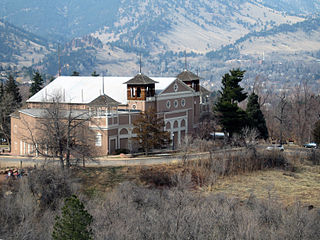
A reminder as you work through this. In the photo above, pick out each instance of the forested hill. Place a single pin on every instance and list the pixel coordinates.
(18, 46)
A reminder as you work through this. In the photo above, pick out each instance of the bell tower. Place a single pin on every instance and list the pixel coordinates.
(140, 92)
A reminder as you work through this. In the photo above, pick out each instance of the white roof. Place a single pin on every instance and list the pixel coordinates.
(80, 89)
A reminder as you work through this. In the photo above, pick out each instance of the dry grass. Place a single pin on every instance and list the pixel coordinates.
(287, 187)
(94, 180)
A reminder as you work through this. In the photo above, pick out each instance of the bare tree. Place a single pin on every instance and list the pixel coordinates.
(149, 130)
(260, 89)
(304, 112)
(62, 132)
(281, 116)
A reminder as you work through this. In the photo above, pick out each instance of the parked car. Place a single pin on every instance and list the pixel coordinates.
(310, 145)
(276, 148)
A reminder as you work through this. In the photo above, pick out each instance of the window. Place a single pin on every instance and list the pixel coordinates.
(138, 92)
(168, 104)
(175, 87)
(98, 140)
(176, 103)
(183, 102)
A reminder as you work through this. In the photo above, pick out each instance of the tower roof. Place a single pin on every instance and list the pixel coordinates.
(141, 79)
(187, 76)
(103, 100)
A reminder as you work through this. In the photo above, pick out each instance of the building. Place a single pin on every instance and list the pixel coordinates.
(112, 104)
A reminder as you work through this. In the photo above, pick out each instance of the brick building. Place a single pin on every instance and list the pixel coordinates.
(112, 104)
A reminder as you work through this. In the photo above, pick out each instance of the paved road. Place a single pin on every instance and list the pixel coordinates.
(109, 161)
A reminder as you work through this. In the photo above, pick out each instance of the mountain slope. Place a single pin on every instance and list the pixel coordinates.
(18, 47)
(59, 19)
(294, 6)
(284, 39)
(198, 26)
(67, 19)
(163, 29)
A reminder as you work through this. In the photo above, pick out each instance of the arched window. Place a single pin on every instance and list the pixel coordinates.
(183, 123)
(123, 131)
(175, 125)
(168, 126)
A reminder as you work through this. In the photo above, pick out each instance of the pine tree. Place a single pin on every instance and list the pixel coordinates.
(2, 135)
(10, 101)
(255, 116)
(74, 223)
(94, 74)
(11, 88)
(75, 73)
(1, 91)
(316, 133)
(150, 131)
(231, 117)
(36, 85)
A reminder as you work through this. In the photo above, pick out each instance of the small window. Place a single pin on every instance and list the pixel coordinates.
(168, 104)
(176, 103)
(175, 87)
(98, 140)
(183, 102)
(138, 92)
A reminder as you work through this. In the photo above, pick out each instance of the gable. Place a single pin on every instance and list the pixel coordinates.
(176, 86)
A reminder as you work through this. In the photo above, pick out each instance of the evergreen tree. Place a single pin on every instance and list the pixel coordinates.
(94, 74)
(1, 91)
(11, 88)
(231, 117)
(10, 100)
(51, 79)
(255, 116)
(150, 131)
(36, 85)
(74, 223)
(316, 133)
(1, 114)
(75, 73)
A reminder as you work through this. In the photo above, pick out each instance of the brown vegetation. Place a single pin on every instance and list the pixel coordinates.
(193, 200)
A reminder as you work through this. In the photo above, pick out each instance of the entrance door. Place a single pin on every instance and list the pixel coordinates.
(112, 148)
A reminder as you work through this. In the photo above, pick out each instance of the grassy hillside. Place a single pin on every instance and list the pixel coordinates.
(19, 47)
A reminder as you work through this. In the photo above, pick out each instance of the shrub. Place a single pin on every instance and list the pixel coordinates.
(122, 150)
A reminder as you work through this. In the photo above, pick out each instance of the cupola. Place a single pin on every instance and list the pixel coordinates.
(140, 87)
(191, 79)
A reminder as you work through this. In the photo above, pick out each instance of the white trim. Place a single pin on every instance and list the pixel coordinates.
(98, 139)
(174, 81)
(176, 111)
(21, 148)
(169, 96)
